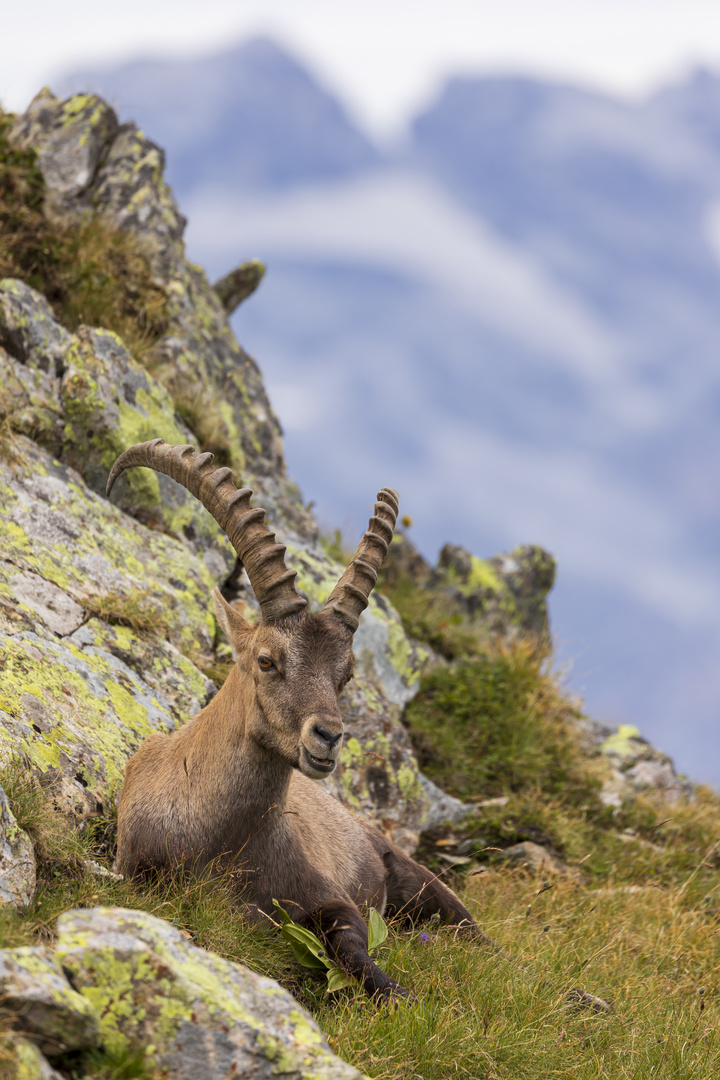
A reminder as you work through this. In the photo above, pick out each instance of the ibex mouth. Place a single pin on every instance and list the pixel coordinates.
(317, 766)
(324, 762)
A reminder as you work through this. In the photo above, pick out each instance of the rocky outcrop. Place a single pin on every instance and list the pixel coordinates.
(124, 980)
(106, 630)
(498, 597)
(93, 165)
(632, 765)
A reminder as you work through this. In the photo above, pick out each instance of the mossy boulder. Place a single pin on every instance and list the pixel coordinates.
(192, 1012)
(86, 399)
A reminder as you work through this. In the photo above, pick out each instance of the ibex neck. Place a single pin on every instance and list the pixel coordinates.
(245, 785)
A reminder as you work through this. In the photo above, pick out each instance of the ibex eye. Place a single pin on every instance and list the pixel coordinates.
(265, 663)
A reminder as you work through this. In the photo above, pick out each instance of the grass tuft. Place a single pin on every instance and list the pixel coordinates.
(137, 609)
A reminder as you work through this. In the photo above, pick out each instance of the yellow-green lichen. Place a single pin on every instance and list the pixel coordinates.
(623, 742)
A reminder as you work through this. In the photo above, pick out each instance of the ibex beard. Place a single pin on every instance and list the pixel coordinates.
(237, 783)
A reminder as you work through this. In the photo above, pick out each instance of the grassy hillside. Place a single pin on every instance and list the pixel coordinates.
(635, 923)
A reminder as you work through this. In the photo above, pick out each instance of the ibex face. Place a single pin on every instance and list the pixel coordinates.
(292, 666)
(292, 673)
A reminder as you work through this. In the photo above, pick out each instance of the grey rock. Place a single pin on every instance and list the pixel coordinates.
(194, 1013)
(507, 593)
(71, 138)
(17, 859)
(534, 858)
(28, 327)
(633, 766)
(35, 992)
(240, 283)
(443, 809)
(59, 612)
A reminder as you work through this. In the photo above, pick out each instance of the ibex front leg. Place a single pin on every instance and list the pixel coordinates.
(346, 934)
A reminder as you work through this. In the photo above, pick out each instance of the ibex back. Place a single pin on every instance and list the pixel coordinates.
(237, 783)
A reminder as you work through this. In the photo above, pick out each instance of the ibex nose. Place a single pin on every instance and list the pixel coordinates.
(327, 736)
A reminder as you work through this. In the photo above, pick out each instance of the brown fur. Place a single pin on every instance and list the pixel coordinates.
(237, 784)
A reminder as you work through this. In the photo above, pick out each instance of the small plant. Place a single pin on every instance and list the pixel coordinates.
(135, 609)
(310, 952)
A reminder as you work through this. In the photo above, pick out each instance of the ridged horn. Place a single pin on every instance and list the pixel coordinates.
(350, 596)
(263, 559)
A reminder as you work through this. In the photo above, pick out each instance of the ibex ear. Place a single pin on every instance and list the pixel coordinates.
(230, 620)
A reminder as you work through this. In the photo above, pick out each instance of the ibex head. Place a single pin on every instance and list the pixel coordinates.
(292, 665)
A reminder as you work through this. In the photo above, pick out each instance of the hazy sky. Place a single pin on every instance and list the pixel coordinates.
(385, 57)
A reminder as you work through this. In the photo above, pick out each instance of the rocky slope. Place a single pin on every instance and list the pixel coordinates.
(106, 632)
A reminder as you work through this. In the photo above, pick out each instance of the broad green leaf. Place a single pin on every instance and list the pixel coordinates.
(305, 944)
(377, 930)
(337, 980)
(284, 917)
(304, 956)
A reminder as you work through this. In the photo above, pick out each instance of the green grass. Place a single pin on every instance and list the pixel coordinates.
(499, 723)
(639, 926)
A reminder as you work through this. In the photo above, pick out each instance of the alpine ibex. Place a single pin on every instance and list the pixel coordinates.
(237, 782)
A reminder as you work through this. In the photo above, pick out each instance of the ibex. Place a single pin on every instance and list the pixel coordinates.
(237, 783)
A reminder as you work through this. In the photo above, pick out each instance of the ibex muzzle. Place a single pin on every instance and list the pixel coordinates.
(237, 782)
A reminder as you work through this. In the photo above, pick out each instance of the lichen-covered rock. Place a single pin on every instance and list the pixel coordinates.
(633, 765)
(24, 1061)
(507, 592)
(43, 1005)
(17, 859)
(29, 330)
(194, 1013)
(71, 138)
(81, 698)
(499, 597)
(85, 399)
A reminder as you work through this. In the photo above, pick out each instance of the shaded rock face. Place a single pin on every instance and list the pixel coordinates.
(17, 860)
(124, 980)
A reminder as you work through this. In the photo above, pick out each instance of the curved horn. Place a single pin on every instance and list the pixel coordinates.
(349, 598)
(263, 559)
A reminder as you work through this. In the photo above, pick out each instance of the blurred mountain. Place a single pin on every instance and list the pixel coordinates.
(513, 318)
(250, 118)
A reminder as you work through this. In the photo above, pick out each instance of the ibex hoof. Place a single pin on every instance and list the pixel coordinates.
(395, 995)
